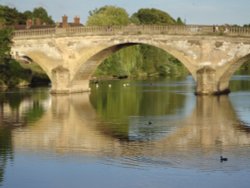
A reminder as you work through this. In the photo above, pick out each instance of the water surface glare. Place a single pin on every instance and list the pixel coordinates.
(134, 134)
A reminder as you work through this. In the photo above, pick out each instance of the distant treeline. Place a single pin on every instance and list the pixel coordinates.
(11, 16)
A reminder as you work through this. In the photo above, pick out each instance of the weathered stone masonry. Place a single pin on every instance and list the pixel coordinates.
(70, 55)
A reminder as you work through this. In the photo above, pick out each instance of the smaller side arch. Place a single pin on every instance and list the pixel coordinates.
(230, 70)
(39, 58)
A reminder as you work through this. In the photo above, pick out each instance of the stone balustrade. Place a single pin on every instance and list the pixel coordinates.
(134, 30)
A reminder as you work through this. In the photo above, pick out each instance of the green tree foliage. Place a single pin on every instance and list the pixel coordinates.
(124, 62)
(42, 14)
(5, 44)
(10, 70)
(244, 69)
(179, 21)
(108, 16)
(28, 14)
(152, 16)
(10, 16)
(11, 73)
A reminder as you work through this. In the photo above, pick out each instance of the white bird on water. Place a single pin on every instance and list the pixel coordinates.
(126, 85)
(110, 85)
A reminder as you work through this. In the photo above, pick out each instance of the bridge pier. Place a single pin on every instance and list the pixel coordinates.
(208, 84)
(61, 83)
(60, 80)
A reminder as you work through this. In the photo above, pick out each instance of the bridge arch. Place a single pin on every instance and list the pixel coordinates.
(87, 65)
(232, 67)
(37, 58)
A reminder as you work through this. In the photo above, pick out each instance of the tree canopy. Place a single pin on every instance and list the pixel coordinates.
(108, 16)
(152, 16)
(11, 16)
(5, 43)
(42, 14)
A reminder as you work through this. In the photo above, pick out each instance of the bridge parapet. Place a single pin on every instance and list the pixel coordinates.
(134, 30)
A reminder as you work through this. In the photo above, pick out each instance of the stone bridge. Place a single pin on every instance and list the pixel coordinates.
(70, 56)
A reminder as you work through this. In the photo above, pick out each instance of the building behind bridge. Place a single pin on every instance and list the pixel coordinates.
(36, 23)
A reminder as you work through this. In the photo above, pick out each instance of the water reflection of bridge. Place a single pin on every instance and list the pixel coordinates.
(212, 127)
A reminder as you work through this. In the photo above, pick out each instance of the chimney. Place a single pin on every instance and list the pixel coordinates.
(65, 21)
(29, 23)
(38, 22)
(77, 21)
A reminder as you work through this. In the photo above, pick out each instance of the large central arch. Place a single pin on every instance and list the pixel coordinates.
(87, 67)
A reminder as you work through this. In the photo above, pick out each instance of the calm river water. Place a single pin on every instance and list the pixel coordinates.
(148, 134)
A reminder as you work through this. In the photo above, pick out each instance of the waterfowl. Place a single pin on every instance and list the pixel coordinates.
(223, 159)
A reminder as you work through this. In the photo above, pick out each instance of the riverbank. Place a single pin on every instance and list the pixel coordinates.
(19, 75)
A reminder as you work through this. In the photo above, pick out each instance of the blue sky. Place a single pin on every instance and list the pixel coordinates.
(193, 11)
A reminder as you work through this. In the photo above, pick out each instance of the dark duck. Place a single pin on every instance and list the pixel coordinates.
(222, 159)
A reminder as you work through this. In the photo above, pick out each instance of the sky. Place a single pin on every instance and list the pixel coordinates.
(192, 11)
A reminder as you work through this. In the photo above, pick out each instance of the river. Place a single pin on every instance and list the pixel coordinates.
(153, 133)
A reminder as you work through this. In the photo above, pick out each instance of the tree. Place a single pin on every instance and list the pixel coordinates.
(10, 16)
(28, 14)
(5, 44)
(42, 14)
(152, 16)
(179, 21)
(108, 16)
